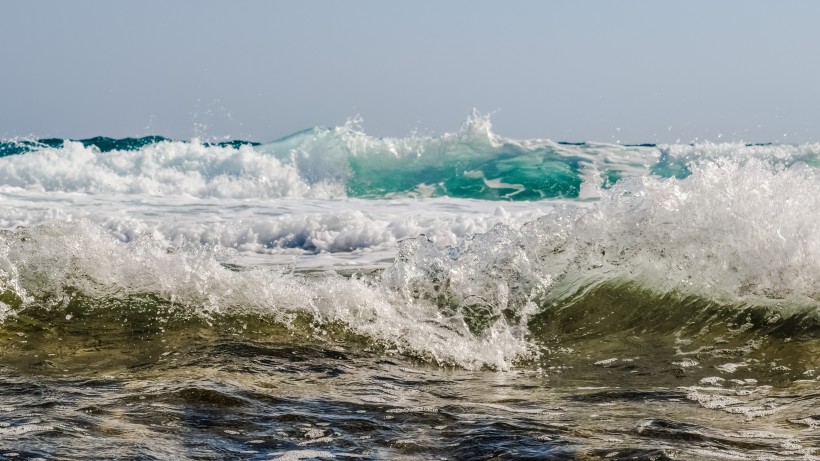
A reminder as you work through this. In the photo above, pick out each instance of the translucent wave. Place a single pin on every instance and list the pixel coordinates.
(472, 162)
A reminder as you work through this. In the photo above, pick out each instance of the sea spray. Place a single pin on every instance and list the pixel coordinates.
(732, 231)
(48, 265)
(472, 162)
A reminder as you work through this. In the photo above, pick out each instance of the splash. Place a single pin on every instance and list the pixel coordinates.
(732, 231)
(472, 162)
(49, 266)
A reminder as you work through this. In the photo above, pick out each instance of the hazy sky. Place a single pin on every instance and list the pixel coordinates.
(629, 71)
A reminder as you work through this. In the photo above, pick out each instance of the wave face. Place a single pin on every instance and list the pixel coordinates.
(467, 248)
(472, 163)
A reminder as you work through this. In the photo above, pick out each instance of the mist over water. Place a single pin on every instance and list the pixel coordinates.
(465, 295)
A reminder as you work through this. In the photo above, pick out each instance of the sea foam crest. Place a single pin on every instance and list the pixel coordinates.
(733, 231)
(49, 263)
(472, 162)
(281, 229)
(164, 168)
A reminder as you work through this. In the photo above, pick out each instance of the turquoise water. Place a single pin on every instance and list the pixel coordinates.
(471, 163)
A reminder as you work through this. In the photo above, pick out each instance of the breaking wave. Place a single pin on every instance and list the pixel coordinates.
(473, 162)
(735, 239)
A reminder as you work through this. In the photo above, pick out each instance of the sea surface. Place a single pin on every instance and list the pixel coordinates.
(333, 295)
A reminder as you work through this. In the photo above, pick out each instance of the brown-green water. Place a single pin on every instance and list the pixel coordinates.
(136, 378)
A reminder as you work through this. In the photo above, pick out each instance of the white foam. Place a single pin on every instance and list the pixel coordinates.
(14, 431)
(811, 422)
(165, 168)
(686, 363)
(300, 232)
(43, 261)
(733, 231)
(712, 380)
(316, 163)
(293, 455)
(730, 367)
(712, 401)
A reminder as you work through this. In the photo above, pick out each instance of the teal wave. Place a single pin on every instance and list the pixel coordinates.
(472, 162)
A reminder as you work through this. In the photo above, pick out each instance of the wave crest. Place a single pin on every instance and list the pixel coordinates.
(472, 162)
(730, 231)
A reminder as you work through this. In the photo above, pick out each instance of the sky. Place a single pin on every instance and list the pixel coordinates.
(609, 71)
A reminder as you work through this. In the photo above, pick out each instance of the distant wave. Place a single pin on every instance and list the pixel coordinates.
(472, 162)
(101, 143)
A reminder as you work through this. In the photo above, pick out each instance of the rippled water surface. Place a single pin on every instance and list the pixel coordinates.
(154, 386)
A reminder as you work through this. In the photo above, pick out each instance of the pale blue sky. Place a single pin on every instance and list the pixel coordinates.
(629, 71)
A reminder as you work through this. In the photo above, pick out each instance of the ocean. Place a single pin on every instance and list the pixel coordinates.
(334, 295)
